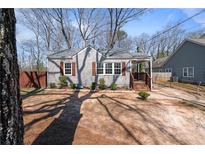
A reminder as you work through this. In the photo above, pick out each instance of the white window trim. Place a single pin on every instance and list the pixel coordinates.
(168, 69)
(105, 68)
(119, 68)
(113, 68)
(70, 66)
(188, 76)
(96, 67)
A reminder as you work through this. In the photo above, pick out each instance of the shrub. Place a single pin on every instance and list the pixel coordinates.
(93, 85)
(63, 81)
(101, 83)
(113, 86)
(143, 95)
(52, 85)
(73, 85)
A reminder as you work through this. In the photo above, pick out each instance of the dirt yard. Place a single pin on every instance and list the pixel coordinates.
(61, 117)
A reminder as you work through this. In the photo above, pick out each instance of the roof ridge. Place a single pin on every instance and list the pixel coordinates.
(58, 52)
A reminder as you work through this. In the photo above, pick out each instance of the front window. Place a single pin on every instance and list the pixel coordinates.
(100, 68)
(188, 72)
(108, 68)
(67, 68)
(117, 68)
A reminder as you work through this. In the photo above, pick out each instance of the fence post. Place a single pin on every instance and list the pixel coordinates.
(199, 83)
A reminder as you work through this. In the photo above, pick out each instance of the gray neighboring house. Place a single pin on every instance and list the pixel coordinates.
(87, 65)
(187, 63)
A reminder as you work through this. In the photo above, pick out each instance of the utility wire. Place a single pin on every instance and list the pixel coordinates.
(180, 23)
(184, 31)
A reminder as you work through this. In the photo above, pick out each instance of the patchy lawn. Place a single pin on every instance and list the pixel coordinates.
(63, 117)
(184, 86)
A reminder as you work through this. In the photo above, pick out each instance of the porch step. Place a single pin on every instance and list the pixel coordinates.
(140, 85)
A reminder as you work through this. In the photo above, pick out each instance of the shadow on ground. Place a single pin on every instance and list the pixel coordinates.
(62, 129)
(136, 121)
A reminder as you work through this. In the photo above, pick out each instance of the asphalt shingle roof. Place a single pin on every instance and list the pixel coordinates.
(67, 53)
(159, 62)
(113, 53)
(197, 41)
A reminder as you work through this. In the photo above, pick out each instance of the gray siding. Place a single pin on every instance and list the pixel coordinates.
(84, 76)
(189, 55)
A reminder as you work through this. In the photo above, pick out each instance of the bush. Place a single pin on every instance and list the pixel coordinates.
(52, 85)
(113, 86)
(93, 86)
(63, 81)
(143, 95)
(73, 85)
(101, 83)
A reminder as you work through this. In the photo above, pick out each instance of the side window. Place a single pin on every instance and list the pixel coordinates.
(67, 68)
(185, 73)
(188, 71)
(191, 71)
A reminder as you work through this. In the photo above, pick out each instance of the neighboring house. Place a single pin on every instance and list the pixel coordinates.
(158, 64)
(187, 63)
(84, 66)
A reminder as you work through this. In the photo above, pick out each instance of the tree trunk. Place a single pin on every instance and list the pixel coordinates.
(11, 120)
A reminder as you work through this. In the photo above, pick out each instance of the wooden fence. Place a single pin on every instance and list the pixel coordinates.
(33, 79)
(161, 76)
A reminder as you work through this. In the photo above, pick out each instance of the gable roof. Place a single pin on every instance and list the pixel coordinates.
(116, 53)
(67, 53)
(197, 41)
(200, 42)
(120, 53)
(159, 62)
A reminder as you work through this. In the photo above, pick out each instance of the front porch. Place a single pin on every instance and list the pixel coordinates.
(141, 74)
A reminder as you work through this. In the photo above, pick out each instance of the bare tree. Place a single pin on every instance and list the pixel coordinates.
(35, 56)
(11, 116)
(90, 22)
(117, 18)
(41, 30)
(163, 45)
(198, 34)
(62, 17)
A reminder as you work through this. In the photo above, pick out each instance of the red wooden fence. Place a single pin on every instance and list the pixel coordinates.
(32, 79)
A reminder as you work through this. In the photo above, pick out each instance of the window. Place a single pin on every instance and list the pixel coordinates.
(67, 68)
(117, 68)
(168, 70)
(100, 68)
(188, 71)
(108, 68)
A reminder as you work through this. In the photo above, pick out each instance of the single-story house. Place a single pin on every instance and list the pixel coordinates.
(87, 65)
(187, 63)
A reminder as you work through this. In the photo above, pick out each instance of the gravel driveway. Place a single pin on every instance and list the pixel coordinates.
(65, 117)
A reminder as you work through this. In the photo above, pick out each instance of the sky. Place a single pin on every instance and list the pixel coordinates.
(149, 23)
(156, 19)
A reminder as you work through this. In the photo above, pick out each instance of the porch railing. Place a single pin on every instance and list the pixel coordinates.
(132, 79)
(140, 76)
